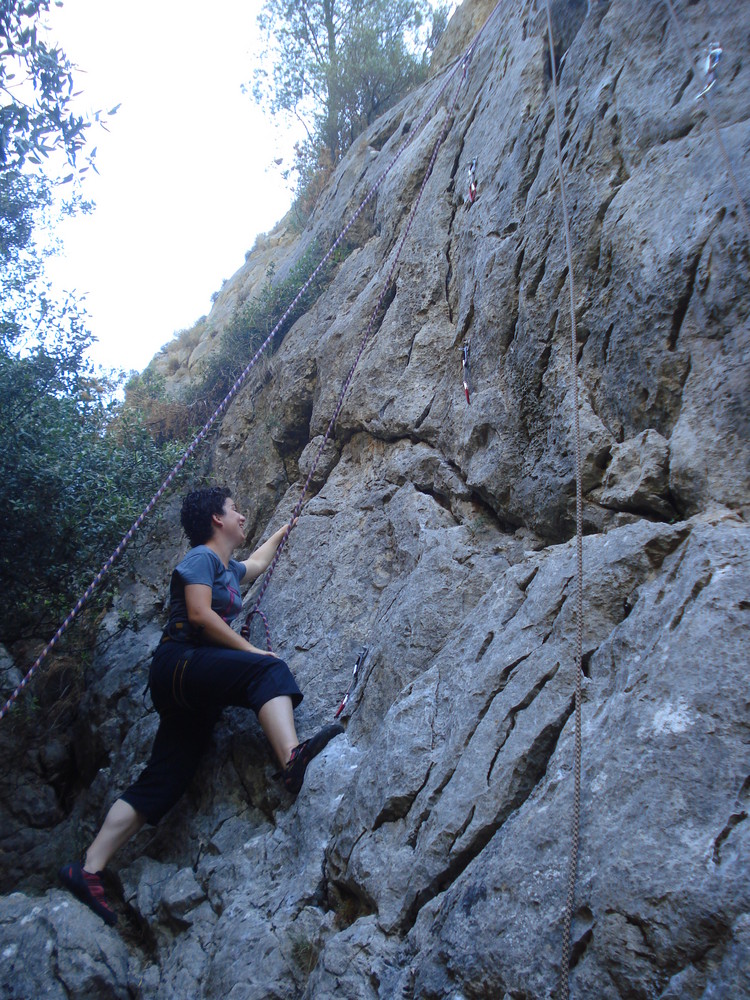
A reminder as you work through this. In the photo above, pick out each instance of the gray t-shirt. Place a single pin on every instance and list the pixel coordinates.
(202, 565)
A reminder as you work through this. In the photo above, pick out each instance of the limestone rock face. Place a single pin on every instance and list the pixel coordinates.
(427, 854)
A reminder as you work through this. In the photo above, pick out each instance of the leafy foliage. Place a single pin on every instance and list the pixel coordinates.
(75, 470)
(338, 64)
(75, 466)
(37, 88)
(27, 305)
(39, 135)
(166, 419)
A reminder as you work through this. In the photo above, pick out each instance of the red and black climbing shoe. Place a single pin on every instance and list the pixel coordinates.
(89, 889)
(294, 773)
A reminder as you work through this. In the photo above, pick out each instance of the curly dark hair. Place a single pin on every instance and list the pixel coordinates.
(198, 508)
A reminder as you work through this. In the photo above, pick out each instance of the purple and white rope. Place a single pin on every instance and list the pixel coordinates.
(245, 630)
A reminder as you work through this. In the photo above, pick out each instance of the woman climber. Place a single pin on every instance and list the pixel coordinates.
(200, 666)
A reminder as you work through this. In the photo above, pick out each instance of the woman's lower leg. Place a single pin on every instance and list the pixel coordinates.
(121, 823)
(276, 718)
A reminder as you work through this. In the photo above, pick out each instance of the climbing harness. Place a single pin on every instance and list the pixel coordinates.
(710, 68)
(576, 824)
(355, 672)
(465, 369)
(462, 64)
(472, 182)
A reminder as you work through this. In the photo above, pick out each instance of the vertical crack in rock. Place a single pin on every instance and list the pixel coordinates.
(519, 265)
(428, 805)
(682, 88)
(698, 586)
(525, 582)
(531, 288)
(465, 326)
(580, 945)
(514, 712)
(528, 176)
(359, 836)
(485, 646)
(397, 806)
(502, 683)
(424, 414)
(463, 828)
(684, 300)
(734, 820)
(656, 557)
(690, 272)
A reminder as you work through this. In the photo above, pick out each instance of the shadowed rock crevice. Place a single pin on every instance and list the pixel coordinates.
(511, 717)
(398, 807)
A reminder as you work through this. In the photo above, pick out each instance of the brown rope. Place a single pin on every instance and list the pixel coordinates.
(573, 864)
(711, 118)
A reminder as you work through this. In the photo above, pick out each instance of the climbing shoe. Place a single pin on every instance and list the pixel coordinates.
(89, 889)
(294, 773)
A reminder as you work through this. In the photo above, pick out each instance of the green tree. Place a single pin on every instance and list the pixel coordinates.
(75, 465)
(37, 88)
(75, 469)
(337, 64)
(42, 146)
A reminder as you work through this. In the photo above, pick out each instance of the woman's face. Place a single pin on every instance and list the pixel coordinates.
(234, 523)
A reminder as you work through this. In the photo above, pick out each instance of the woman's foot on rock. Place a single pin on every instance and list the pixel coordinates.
(293, 774)
(89, 889)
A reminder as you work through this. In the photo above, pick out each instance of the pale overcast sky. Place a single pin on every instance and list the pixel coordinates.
(186, 176)
(186, 172)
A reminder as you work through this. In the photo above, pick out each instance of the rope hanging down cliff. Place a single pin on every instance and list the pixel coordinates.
(575, 839)
(461, 64)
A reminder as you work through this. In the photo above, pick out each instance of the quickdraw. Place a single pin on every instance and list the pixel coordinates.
(473, 181)
(359, 662)
(465, 370)
(710, 68)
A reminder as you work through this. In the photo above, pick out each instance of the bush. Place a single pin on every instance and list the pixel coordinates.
(253, 322)
(146, 402)
(76, 468)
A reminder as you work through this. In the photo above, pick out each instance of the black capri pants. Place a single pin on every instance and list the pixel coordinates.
(190, 685)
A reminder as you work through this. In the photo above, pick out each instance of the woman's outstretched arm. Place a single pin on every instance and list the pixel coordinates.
(260, 560)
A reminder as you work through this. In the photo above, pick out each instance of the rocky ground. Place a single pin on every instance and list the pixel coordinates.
(426, 856)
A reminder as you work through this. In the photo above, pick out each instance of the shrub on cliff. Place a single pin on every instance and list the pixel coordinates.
(253, 322)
